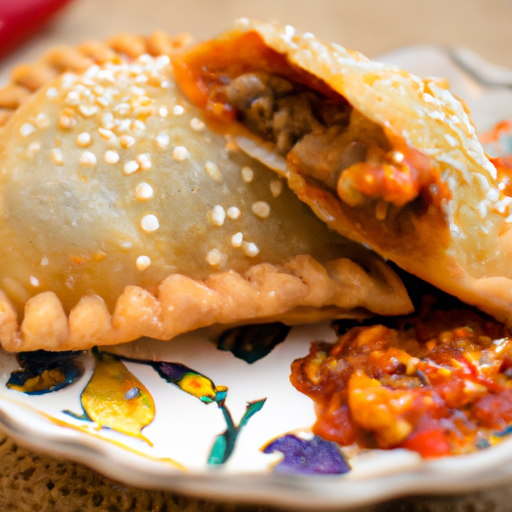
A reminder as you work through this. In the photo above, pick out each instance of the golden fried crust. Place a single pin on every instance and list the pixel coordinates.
(451, 227)
(126, 213)
(303, 292)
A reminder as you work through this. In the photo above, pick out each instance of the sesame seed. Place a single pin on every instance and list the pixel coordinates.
(106, 76)
(84, 139)
(144, 191)
(143, 102)
(197, 125)
(212, 169)
(66, 122)
(237, 239)
(261, 209)
(87, 159)
(139, 91)
(34, 281)
(52, 92)
(214, 257)
(88, 110)
(122, 125)
(34, 146)
(57, 157)
(102, 101)
(106, 134)
(26, 129)
(111, 157)
(123, 109)
(180, 153)
(144, 160)
(42, 121)
(126, 141)
(163, 112)
(126, 246)
(137, 126)
(247, 174)
(162, 140)
(92, 72)
(143, 262)
(217, 215)
(68, 79)
(107, 120)
(135, 69)
(44, 261)
(234, 212)
(149, 223)
(177, 110)
(130, 167)
(501, 186)
(73, 98)
(250, 249)
(276, 187)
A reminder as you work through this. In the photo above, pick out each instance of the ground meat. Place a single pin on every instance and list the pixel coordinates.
(282, 112)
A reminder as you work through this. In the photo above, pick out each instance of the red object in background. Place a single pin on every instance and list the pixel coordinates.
(19, 19)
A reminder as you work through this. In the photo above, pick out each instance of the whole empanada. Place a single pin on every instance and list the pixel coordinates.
(382, 156)
(124, 212)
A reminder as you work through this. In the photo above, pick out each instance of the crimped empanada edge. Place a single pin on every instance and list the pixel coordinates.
(301, 291)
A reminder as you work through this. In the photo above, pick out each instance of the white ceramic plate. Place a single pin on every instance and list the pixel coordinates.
(178, 431)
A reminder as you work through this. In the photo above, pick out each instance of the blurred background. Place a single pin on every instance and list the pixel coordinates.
(370, 26)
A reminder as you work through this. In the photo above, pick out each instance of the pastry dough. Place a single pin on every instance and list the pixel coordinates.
(382, 156)
(124, 212)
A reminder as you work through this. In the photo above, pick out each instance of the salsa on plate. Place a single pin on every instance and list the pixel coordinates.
(439, 382)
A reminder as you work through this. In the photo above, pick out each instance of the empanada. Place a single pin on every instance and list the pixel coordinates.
(382, 156)
(124, 212)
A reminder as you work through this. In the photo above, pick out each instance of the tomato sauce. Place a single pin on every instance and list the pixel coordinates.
(438, 383)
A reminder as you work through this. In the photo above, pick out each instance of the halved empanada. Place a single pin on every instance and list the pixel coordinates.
(384, 157)
(125, 213)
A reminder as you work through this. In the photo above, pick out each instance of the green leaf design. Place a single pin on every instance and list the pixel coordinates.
(219, 450)
(224, 443)
(252, 409)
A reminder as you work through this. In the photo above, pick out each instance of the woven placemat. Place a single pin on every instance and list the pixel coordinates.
(36, 482)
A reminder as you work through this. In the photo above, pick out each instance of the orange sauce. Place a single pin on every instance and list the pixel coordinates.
(439, 383)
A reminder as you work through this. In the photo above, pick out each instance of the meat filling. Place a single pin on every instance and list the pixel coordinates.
(325, 139)
(327, 136)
